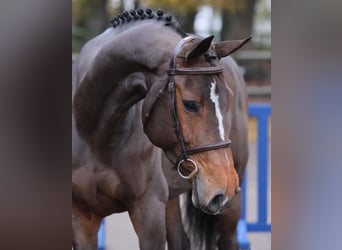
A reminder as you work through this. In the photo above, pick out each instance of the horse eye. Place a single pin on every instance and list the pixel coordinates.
(191, 106)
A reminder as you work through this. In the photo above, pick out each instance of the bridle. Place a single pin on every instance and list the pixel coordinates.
(185, 152)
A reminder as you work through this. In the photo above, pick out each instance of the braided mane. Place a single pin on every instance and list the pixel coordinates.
(108, 64)
(147, 14)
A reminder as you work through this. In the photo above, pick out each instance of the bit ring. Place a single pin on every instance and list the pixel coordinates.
(192, 173)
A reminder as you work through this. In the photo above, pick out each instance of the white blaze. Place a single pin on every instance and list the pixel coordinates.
(215, 99)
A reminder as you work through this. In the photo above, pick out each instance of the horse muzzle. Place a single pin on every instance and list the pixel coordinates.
(216, 204)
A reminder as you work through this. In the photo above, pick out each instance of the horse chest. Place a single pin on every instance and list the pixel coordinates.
(122, 180)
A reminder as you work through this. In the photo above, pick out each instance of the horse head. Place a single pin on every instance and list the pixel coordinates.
(189, 118)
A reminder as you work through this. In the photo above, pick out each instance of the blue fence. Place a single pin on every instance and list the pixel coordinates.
(262, 113)
(101, 236)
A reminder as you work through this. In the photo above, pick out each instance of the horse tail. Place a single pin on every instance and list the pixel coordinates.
(198, 226)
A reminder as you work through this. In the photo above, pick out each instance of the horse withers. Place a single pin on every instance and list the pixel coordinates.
(146, 66)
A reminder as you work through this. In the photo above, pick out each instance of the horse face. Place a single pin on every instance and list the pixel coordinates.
(202, 104)
(203, 110)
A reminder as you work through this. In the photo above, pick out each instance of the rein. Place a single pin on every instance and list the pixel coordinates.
(172, 71)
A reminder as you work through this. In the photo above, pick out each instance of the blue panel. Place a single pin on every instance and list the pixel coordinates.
(261, 112)
(258, 227)
(242, 235)
(101, 237)
(262, 167)
(243, 197)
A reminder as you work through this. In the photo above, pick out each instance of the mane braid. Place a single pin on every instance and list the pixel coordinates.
(141, 14)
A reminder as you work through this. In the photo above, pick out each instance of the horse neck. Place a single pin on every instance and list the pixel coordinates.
(114, 72)
(120, 115)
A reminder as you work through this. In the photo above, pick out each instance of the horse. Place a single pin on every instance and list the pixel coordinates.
(146, 96)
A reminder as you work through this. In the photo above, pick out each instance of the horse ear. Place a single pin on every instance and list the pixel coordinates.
(201, 48)
(226, 48)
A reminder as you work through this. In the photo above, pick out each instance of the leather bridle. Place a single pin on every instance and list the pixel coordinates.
(185, 152)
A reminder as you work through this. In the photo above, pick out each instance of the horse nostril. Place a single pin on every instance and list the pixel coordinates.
(217, 202)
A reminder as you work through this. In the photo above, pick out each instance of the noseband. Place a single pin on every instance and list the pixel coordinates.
(173, 70)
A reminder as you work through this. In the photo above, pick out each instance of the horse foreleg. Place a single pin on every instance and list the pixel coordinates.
(85, 226)
(227, 225)
(148, 219)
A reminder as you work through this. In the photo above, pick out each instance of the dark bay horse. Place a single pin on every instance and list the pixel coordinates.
(148, 96)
